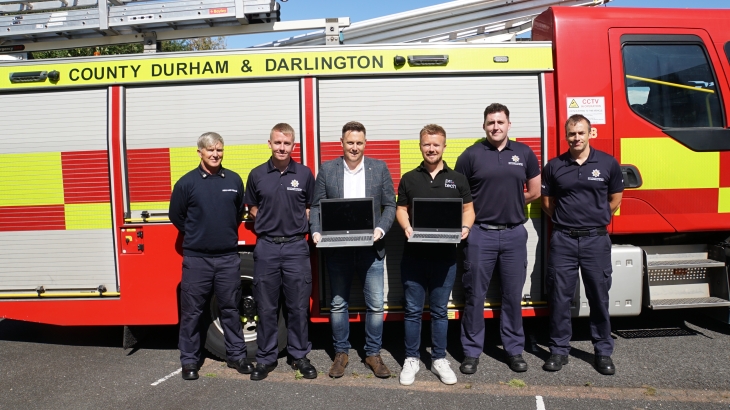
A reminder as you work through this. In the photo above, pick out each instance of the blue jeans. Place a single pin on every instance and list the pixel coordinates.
(417, 275)
(342, 265)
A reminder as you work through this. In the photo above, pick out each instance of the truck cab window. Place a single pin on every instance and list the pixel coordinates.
(672, 85)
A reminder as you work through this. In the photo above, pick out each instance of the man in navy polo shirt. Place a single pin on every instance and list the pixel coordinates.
(434, 274)
(206, 206)
(581, 189)
(498, 171)
(279, 194)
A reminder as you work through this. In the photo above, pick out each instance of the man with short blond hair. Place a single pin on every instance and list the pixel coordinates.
(354, 175)
(435, 273)
(206, 206)
(279, 195)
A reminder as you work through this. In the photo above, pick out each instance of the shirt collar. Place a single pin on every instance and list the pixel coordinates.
(591, 157)
(422, 168)
(357, 169)
(289, 168)
(205, 174)
(488, 145)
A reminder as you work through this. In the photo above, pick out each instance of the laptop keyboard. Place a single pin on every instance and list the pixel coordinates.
(433, 236)
(347, 238)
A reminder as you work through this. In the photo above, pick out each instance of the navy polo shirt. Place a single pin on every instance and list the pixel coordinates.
(581, 191)
(419, 184)
(281, 198)
(497, 180)
(207, 209)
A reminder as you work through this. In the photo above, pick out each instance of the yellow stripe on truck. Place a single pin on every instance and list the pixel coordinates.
(29, 179)
(278, 64)
(88, 216)
(666, 164)
(724, 201)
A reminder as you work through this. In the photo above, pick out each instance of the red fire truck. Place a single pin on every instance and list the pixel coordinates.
(92, 146)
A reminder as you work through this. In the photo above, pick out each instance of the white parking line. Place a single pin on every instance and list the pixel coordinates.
(178, 371)
(539, 403)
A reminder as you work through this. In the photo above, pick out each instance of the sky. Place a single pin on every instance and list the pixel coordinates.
(358, 10)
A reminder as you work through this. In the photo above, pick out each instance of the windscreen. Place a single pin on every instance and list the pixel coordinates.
(442, 214)
(350, 215)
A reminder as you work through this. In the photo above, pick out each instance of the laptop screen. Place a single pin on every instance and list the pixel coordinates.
(437, 214)
(347, 215)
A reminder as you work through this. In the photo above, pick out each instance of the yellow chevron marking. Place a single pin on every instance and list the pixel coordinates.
(88, 216)
(31, 179)
(666, 164)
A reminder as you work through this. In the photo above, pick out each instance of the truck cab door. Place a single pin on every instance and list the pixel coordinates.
(670, 100)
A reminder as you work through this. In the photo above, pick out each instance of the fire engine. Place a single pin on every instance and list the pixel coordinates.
(92, 147)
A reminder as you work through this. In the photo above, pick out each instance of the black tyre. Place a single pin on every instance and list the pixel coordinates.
(214, 341)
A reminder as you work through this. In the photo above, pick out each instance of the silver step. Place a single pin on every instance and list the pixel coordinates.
(662, 304)
(684, 264)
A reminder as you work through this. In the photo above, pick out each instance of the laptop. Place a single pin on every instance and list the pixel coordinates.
(436, 220)
(346, 222)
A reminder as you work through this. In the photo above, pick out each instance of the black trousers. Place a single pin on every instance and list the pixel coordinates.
(202, 276)
(280, 266)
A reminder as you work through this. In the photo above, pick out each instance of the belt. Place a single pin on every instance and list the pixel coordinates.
(496, 227)
(282, 239)
(579, 232)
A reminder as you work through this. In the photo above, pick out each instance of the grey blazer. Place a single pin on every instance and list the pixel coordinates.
(378, 185)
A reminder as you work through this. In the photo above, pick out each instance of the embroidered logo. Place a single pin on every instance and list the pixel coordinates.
(450, 184)
(515, 160)
(294, 186)
(230, 190)
(596, 174)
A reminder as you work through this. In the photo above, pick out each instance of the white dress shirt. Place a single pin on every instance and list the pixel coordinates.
(353, 184)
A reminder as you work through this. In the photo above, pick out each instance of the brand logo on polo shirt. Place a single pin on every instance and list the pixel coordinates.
(294, 186)
(230, 190)
(450, 184)
(596, 173)
(515, 160)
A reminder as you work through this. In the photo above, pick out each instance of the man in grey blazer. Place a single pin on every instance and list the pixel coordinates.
(356, 176)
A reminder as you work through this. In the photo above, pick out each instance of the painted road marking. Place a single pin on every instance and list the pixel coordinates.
(178, 371)
(539, 402)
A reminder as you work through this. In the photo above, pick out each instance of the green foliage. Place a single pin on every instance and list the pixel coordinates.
(192, 44)
(517, 383)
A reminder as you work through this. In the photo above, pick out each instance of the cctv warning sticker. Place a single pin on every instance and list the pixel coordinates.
(594, 108)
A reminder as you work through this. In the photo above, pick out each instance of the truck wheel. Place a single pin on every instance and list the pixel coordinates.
(214, 341)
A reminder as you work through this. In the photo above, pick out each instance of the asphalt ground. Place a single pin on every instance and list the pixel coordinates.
(667, 360)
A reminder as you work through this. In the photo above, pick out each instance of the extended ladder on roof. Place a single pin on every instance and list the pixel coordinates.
(460, 20)
(35, 25)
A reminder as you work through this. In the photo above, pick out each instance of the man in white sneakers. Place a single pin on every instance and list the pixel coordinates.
(436, 273)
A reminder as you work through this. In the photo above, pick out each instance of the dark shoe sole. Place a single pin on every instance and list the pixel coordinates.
(468, 371)
(258, 377)
(520, 369)
(312, 375)
(190, 377)
(238, 369)
(338, 375)
(605, 372)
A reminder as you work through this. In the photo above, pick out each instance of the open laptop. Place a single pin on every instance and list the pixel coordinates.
(436, 220)
(346, 222)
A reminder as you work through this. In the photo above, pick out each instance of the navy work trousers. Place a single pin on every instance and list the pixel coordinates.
(200, 277)
(485, 248)
(280, 266)
(593, 255)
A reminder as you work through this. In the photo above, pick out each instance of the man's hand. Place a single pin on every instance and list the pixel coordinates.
(377, 235)
(316, 237)
(408, 231)
(464, 232)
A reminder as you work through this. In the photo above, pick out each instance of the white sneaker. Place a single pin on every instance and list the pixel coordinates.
(442, 369)
(410, 367)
